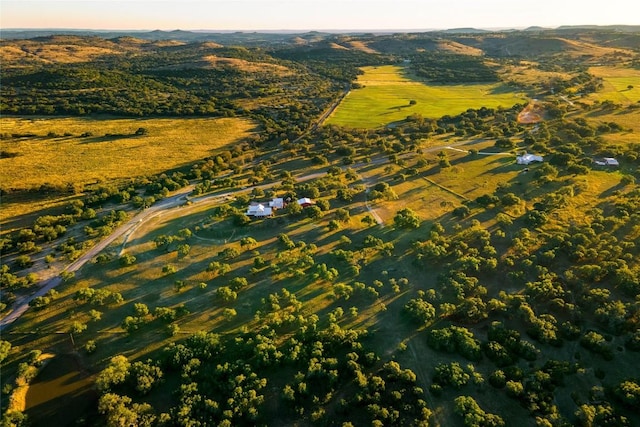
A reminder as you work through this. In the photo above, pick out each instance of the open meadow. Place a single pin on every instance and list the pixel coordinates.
(59, 151)
(621, 85)
(387, 91)
(76, 152)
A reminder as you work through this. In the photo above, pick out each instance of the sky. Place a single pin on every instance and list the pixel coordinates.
(244, 15)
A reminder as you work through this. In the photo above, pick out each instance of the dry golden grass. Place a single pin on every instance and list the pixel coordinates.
(361, 46)
(606, 72)
(459, 48)
(211, 45)
(17, 211)
(526, 73)
(244, 65)
(582, 48)
(170, 143)
(337, 46)
(59, 51)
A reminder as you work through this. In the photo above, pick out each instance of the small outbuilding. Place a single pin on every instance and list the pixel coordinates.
(305, 201)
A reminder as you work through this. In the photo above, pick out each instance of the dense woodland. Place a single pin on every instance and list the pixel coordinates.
(535, 317)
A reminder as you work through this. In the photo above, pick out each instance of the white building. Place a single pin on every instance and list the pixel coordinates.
(259, 210)
(305, 201)
(277, 203)
(610, 161)
(526, 159)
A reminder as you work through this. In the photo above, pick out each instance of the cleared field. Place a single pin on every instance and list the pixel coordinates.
(387, 91)
(527, 73)
(617, 83)
(110, 148)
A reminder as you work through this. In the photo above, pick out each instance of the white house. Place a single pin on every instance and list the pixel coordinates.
(259, 210)
(607, 161)
(526, 159)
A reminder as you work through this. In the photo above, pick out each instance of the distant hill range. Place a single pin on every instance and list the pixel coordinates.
(261, 37)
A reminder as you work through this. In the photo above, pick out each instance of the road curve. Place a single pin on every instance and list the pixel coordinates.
(22, 304)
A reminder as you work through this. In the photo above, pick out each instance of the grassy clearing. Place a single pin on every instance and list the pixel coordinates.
(112, 152)
(527, 73)
(387, 91)
(616, 85)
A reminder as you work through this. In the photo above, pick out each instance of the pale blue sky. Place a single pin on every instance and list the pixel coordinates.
(312, 14)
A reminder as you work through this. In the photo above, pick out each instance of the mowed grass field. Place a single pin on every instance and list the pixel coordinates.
(113, 151)
(616, 81)
(387, 91)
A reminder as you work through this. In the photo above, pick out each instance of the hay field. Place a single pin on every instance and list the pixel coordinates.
(113, 151)
(387, 91)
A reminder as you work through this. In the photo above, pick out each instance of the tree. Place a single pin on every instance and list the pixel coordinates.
(5, 348)
(140, 309)
(23, 261)
(250, 242)
(293, 209)
(229, 253)
(313, 212)
(185, 233)
(145, 375)
(120, 411)
(77, 327)
(510, 199)
(462, 211)
(450, 374)
(406, 218)
(342, 215)
(420, 310)
(241, 220)
(127, 259)
(229, 313)
(183, 250)
(115, 373)
(226, 294)
(629, 394)
(474, 415)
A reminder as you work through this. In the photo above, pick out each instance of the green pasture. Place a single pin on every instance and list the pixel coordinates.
(621, 85)
(81, 151)
(387, 91)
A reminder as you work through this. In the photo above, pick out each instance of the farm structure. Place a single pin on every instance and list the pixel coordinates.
(259, 210)
(306, 202)
(607, 161)
(267, 209)
(526, 159)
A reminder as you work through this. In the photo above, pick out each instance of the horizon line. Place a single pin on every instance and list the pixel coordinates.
(328, 30)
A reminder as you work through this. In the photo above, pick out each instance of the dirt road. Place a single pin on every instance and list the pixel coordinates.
(178, 199)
